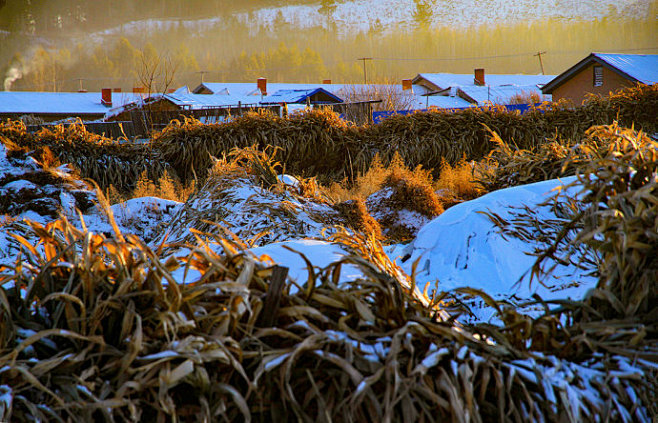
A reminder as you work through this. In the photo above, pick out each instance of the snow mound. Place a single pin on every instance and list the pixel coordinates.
(462, 247)
(27, 189)
(147, 217)
(396, 222)
(245, 208)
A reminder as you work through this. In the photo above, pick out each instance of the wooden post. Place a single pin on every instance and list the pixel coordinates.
(273, 296)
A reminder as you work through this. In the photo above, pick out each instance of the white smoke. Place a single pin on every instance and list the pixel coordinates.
(11, 76)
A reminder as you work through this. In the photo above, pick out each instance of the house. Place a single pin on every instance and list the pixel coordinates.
(317, 96)
(54, 106)
(478, 89)
(601, 74)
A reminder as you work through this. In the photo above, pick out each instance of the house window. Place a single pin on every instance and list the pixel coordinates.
(598, 76)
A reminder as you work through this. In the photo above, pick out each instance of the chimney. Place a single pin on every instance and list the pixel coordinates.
(326, 81)
(479, 77)
(139, 90)
(406, 84)
(262, 85)
(116, 90)
(106, 97)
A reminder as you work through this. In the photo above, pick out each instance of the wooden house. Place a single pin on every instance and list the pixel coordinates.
(602, 74)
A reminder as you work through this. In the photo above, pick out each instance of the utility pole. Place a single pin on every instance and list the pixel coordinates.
(365, 74)
(541, 64)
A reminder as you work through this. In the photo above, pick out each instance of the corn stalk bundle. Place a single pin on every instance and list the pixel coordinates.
(622, 222)
(98, 329)
(314, 143)
(508, 166)
(613, 216)
(98, 158)
(319, 143)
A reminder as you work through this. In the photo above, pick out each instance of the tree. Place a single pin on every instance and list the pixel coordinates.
(327, 8)
(423, 13)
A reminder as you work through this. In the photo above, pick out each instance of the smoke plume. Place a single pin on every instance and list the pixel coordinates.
(11, 76)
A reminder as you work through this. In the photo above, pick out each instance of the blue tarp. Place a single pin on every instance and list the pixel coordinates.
(379, 116)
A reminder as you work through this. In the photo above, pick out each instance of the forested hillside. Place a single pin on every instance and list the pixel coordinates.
(65, 45)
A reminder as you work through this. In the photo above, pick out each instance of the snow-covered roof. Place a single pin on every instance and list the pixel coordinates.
(502, 94)
(63, 103)
(203, 101)
(298, 96)
(188, 101)
(446, 80)
(250, 88)
(641, 68)
(440, 101)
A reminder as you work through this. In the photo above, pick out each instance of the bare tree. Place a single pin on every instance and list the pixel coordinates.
(156, 74)
(391, 94)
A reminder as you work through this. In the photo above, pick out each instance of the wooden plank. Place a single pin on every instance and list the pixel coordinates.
(273, 296)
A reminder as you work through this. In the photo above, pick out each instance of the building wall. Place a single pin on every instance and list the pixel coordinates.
(576, 88)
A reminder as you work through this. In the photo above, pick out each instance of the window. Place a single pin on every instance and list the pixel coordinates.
(598, 76)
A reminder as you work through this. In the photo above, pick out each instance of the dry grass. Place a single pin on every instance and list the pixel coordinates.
(525, 97)
(459, 182)
(166, 187)
(357, 217)
(97, 329)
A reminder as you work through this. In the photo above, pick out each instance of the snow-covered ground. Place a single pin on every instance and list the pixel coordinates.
(459, 248)
(463, 248)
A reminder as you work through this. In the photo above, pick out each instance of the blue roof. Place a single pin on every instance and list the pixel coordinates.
(641, 67)
(297, 96)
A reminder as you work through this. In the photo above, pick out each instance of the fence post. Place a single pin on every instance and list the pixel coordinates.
(273, 296)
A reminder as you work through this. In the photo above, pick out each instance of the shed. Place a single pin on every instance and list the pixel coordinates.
(602, 73)
(315, 96)
(53, 106)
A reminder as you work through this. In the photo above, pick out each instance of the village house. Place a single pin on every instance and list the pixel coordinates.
(479, 89)
(602, 74)
(54, 106)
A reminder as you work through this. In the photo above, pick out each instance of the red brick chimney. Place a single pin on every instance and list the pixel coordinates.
(139, 90)
(406, 84)
(116, 90)
(106, 97)
(326, 81)
(479, 77)
(262, 85)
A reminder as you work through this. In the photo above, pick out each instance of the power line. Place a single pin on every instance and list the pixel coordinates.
(436, 59)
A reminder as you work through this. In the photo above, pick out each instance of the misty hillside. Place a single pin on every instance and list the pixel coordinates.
(66, 45)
